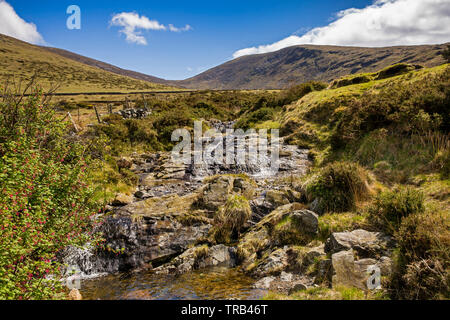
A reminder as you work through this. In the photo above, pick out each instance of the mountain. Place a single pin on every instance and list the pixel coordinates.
(106, 66)
(299, 64)
(274, 70)
(75, 74)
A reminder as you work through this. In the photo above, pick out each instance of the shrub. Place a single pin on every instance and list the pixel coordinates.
(425, 236)
(258, 116)
(395, 70)
(338, 187)
(45, 202)
(299, 91)
(166, 122)
(422, 265)
(442, 163)
(446, 53)
(390, 207)
(231, 219)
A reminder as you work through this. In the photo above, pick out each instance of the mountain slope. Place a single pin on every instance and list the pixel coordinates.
(106, 66)
(21, 60)
(304, 63)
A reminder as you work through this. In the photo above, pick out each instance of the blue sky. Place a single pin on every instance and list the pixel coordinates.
(219, 29)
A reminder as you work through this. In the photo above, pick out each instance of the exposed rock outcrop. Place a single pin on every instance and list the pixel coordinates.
(365, 243)
(200, 258)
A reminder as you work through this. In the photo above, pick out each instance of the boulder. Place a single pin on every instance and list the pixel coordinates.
(273, 264)
(276, 198)
(324, 272)
(296, 227)
(217, 191)
(199, 258)
(122, 200)
(149, 232)
(349, 272)
(366, 244)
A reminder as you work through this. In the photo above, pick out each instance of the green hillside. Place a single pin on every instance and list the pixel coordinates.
(20, 61)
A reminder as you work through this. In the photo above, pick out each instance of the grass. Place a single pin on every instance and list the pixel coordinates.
(21, 60)
(394, 125)
(338, 187)
(391, 207)
(340, 222)
(230, 219)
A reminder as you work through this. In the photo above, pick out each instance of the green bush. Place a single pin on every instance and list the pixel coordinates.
(45, 202)
(258, 116)
(422, 267)
(299, 91)
(338, 187)
(390, 207)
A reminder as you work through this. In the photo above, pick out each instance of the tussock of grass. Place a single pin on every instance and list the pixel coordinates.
(230, 219)
(338, 187)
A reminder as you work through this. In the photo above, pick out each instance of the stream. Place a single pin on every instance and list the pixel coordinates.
(213, 283)
(209, 284)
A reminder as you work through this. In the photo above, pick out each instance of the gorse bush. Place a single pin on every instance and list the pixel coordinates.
(390, 207)
(338, 187)
(45, 203)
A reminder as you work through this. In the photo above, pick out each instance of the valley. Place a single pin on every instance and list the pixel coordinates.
(362, 180)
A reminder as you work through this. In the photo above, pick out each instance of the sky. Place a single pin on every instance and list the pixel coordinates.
(179, 39)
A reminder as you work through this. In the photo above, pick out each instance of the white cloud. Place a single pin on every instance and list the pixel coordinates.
(384, 23)
(13, 25)
(132, 23)
(175, 29)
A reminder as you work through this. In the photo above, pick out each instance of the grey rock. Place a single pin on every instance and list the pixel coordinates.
(200, 258)
(367, 244)
(349, 272)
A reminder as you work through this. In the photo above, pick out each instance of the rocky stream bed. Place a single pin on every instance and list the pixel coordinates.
(162, 229)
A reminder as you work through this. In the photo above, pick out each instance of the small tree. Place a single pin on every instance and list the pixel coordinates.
(45, 203)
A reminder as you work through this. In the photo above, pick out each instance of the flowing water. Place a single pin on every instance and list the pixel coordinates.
(210, 284)
(217, 283)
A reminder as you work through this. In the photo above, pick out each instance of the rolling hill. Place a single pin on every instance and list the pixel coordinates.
(106, 66)
(299, 64)
(74, 73)
(275, 70)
